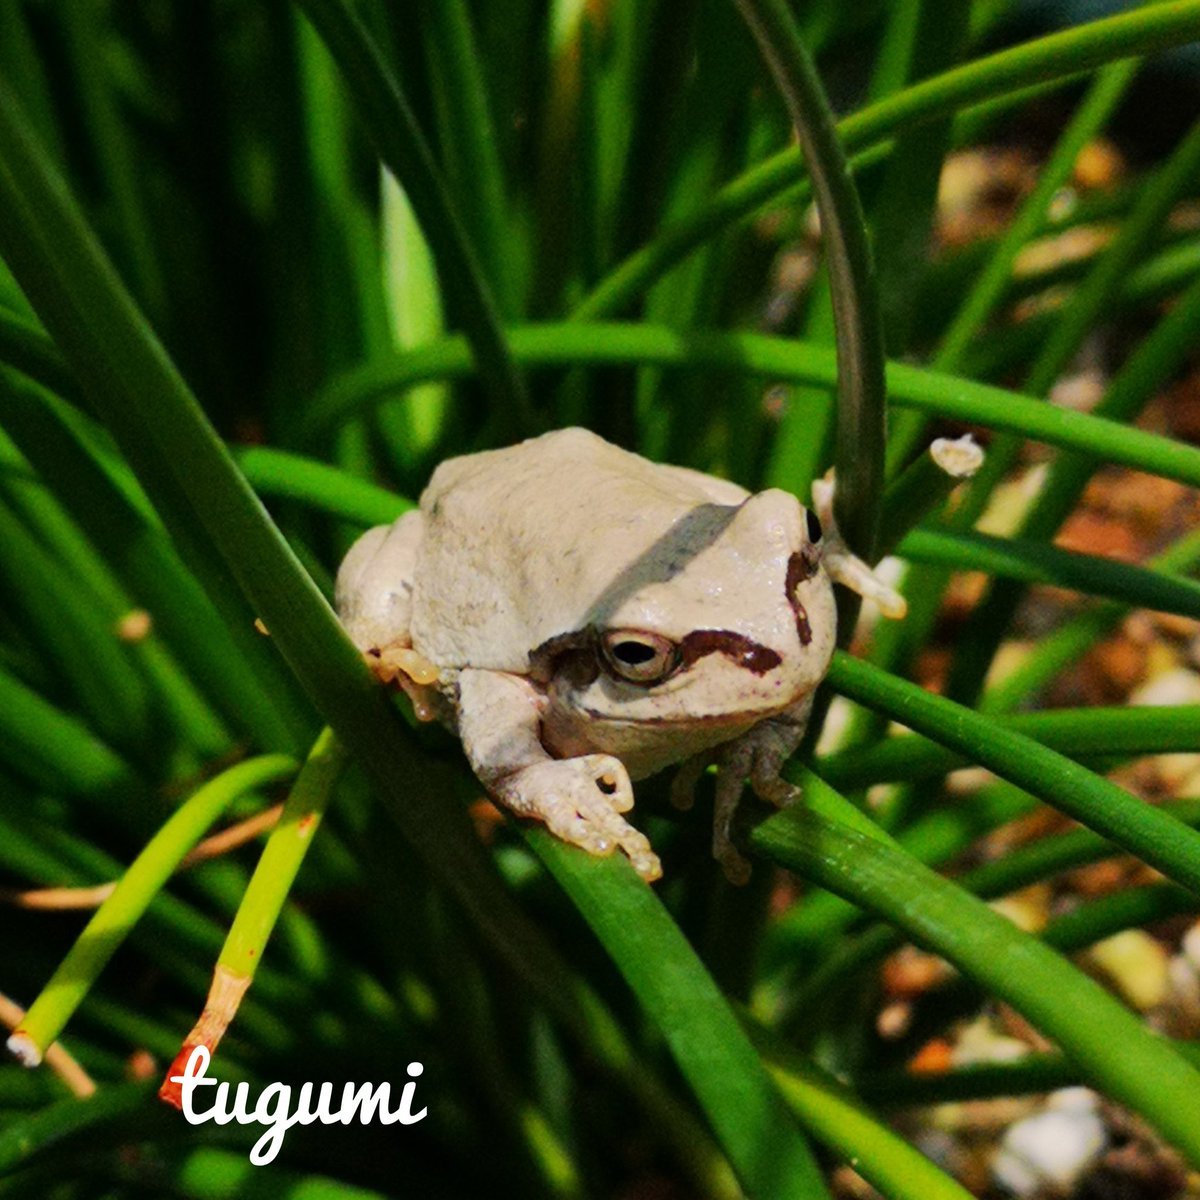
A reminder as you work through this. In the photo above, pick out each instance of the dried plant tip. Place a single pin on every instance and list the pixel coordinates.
(958, 457)
(224, 998)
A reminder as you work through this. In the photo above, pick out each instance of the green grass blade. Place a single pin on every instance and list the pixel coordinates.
(858, 325)
(575, 344)
(1075, 732)
(1148, 832)
(55, 750)
(1060, 55)
(111, 509)
(74, 634)
(991, 283)
(1035, 562)
(287, 476)
(473, 168)
(1073, 639)
(841, 1121)
(393, 129)
(58, 1127)
(146, 876)
(1116, 1051)
(711, 1047)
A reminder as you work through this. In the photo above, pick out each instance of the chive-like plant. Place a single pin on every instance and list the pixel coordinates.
(263, 266)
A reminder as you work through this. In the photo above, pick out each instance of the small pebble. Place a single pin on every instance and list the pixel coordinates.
(1052, 1148)
(1136, 964)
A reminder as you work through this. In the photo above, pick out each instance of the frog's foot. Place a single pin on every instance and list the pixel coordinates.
(846, 568)
(580, 800)
(730, 781)
(401, 666)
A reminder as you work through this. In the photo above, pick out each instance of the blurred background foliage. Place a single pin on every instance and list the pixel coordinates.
(603, 200)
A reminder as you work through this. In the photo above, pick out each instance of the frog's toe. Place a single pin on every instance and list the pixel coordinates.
(775, 790)
(735, 865)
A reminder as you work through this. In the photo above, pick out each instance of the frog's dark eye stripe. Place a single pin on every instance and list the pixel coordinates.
(801, 566)
(815, 531)
(736, 647)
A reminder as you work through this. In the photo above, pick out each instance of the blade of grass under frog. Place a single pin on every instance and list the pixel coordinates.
(710, 1046)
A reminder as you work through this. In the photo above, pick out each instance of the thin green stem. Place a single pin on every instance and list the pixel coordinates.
(1062, 56)
(146, 877)
(393, 129)
(573, 344)
(1150, 833)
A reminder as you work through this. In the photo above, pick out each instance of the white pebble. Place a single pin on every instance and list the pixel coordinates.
(1052, 1148)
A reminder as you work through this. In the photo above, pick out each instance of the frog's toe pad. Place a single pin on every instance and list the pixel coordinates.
(581, 799)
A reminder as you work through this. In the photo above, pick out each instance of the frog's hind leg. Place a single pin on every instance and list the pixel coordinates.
(373, 594)
(374, 602)
(759, 755)
(580, 799)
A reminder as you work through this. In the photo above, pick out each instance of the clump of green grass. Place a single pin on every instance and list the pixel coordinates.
(264, 267)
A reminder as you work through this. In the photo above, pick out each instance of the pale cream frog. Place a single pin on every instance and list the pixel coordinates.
(582, 616)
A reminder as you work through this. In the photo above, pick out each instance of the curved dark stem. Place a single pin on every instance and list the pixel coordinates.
(859, 451)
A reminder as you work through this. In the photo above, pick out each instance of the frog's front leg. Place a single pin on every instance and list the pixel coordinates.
(758, 755)
(580, 799)
(845, 567)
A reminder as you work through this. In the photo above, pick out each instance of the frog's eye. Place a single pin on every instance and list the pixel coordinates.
(814, 526)
(639, 657)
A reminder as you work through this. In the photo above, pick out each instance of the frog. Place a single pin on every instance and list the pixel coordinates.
(582, 617)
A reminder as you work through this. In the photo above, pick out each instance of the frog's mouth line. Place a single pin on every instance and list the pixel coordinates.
(748, 716)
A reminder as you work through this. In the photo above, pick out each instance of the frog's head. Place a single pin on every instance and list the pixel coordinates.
(725, 621)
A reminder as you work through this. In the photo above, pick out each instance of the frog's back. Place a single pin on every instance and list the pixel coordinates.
(523, 544)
